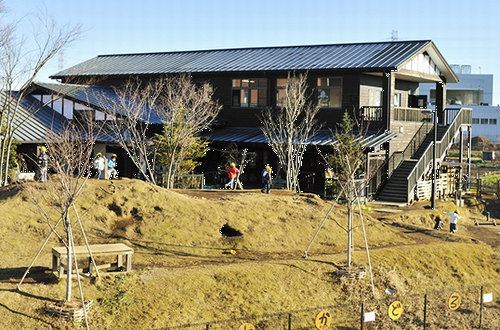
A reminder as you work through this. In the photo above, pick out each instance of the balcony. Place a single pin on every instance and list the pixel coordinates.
(372, 113)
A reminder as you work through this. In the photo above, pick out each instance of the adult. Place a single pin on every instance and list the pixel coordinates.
(454, 216)
(99, 164)
(232, 173)
(267, 179)
(43, 164)
(113, 174)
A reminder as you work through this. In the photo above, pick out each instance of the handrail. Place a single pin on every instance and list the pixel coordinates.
(409, 114)
(455, 118)
(385, 171)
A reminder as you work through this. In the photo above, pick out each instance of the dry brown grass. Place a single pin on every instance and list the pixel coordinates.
(183, 272)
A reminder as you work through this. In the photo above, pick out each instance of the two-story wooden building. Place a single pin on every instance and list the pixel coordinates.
(378, 82)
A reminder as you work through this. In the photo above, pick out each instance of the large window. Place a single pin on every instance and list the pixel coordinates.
(249, 92)
(330, 92)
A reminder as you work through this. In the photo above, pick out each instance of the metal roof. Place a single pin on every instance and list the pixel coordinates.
(35, 122)
(322, 138)
(98, 97)
(362, 56)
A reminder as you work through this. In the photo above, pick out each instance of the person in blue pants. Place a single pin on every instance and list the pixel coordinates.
(267, 179)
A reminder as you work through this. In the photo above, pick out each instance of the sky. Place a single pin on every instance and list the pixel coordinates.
(465, 32)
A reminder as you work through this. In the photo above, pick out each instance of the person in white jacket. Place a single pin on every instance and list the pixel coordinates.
(454, 216)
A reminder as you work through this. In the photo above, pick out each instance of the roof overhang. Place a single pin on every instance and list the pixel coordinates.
(324, 137)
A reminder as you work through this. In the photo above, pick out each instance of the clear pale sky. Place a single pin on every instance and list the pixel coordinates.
(466, 32)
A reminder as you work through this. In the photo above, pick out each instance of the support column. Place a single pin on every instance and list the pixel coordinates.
(388, 82)
(387, 114)
(469, 152)
(441, 100)
(461, 153)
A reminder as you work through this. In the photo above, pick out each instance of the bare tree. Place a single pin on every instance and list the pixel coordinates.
(132, 109)
(70, 157)
(289, 128)
(347, 163)
(189, 110)
(21, 59)
(184, 109)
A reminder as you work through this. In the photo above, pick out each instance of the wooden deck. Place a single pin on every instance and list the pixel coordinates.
(59, 257)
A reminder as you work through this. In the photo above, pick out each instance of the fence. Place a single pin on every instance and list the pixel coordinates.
(472, 307)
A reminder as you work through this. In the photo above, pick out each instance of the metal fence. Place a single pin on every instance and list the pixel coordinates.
(471, 307)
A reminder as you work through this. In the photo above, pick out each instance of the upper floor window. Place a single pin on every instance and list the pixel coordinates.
(475, 120)
(330, 92)
(249, 92)
(493, 121)
(281, 92)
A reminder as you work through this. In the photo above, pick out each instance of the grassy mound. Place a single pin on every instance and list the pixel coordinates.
(184, 273)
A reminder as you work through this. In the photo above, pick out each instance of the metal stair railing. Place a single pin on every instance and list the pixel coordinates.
(455, 118)
(385, 171)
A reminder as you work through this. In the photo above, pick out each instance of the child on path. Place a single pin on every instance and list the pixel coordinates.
(43, 163)
(438, 224)
(232, 173)
(113, 174)
(267, 180)
(99, 165)
(454, 216)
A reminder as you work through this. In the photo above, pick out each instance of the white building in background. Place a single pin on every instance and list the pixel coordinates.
(473, 91)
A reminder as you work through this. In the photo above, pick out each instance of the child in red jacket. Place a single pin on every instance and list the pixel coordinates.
(232, 172)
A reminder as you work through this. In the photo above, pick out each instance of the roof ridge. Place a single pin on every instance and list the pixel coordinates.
(261, 47)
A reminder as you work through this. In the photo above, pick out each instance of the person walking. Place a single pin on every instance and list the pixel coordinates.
(267, 179)
(99, 165)
(438, 224)
(232, 173)
(454, 216)
(113, 174)
(43, 163)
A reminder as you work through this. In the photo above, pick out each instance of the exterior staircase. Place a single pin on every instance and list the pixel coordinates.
(397, 187)
(404, 169)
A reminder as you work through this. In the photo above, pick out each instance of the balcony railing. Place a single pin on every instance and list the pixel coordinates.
(400, 114)
(411, 114)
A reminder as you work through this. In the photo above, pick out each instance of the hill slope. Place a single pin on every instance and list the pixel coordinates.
(183, 271)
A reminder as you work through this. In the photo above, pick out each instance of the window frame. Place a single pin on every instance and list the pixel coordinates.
(249, 92)
(330, 88)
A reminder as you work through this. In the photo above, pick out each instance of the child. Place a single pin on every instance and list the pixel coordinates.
(454, 216)
(232, 173)
(439, 223)
(266, 179)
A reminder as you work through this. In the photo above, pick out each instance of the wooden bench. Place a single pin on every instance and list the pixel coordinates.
(59, 257)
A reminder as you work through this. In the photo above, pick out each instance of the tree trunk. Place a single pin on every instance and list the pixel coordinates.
(69, 259)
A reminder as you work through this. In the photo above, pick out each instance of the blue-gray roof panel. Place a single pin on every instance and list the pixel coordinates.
(322, 138)
(340, 56)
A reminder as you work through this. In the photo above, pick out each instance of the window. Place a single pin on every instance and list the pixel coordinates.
(397, 100)
(281, 92)
(330, 92)
(484, 121)
(493, 121)
(475, 120)
(375, 98)
(249, 92)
